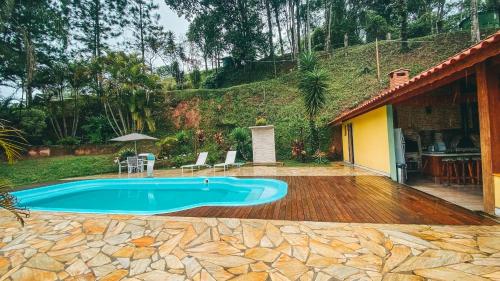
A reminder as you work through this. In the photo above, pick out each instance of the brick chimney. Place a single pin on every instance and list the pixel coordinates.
(398, 77)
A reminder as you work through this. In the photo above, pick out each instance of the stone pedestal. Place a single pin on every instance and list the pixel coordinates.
(263, 145)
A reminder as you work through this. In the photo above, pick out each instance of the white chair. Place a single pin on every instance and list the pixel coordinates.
(200, 162)
(134, 165)
(230, 161)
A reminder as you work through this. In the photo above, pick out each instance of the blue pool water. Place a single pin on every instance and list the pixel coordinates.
(151, 195)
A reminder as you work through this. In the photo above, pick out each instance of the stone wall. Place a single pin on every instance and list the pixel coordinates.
(59, 150)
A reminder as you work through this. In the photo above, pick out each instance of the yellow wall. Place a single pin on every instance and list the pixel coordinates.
(371, 140)
(345, 142)
(496, 184)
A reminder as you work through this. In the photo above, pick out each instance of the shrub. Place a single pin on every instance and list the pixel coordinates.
(195, 77)
(69, 141)
(32, 123)
(320, 157)
(241, 139)
(260, 121)
(124, 153)
(214, 80)
(167, 146)
(97, 129)
(182, 159)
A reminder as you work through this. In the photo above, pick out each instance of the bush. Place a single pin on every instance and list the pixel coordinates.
(32, 123)
(241, 140)
(320, 157)
(69, 141)
(214, 80)
(167, 146)
(124, 153)
(260, 121)
(195, 77)
(182, 159)
(97, 129)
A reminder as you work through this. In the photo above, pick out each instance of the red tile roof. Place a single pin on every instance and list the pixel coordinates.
(388, 95)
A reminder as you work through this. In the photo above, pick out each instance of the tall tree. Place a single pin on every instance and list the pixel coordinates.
(32, 32)
(205, 31)
(270, 29)
(474, 22)
(297, 18)
(328, 24)
(144, 22)
(402, 7)
(97, 21)
(276, 8)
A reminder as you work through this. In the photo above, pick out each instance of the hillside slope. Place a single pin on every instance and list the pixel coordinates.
(352, 79)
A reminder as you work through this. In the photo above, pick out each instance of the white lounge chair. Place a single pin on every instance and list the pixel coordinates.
(230, 161)
(200, 162)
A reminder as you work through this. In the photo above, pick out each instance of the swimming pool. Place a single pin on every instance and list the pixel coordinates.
(150, 196)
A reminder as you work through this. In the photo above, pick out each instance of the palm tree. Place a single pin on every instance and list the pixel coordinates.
(11, 141)
(313, 87)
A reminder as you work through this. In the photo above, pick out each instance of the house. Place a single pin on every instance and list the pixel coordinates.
(449, 116)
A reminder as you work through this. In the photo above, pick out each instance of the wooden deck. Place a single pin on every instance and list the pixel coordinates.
(362, 199)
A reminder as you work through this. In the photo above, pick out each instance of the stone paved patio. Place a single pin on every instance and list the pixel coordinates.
(332, 170)
(114, 247)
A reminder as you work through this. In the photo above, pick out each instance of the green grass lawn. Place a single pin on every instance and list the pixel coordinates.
(41, 170)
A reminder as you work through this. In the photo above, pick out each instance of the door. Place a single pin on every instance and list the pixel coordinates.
(350, 140)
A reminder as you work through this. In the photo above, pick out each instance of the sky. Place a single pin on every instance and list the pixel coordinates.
(168, 18)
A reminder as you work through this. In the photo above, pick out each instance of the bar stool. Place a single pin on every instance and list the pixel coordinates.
(462, 163)
(449, 171)
(477, 176)
(470, 177)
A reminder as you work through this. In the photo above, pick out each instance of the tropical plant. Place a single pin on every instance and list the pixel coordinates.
(124, 153)
(167, 146)
(219, 139)
(11, 142)
(127, 93)
(313, 87)
(10, 203)
(308, 61)
(320, 157)
(298, 150)
(242, 141)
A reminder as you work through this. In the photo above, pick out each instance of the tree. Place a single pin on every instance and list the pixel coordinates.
(402, 7)
(128, 90)
(276, 8)
(32, 31)
(241, 22)
(144, 22)
(97, 21)
(474, 22)
(205, 31)
(313, 86)
(270, 29)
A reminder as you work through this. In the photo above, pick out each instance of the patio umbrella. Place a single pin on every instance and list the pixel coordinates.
(133, 137)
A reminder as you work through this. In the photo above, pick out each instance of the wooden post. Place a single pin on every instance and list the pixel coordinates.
(488, 98)
(378, 59)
